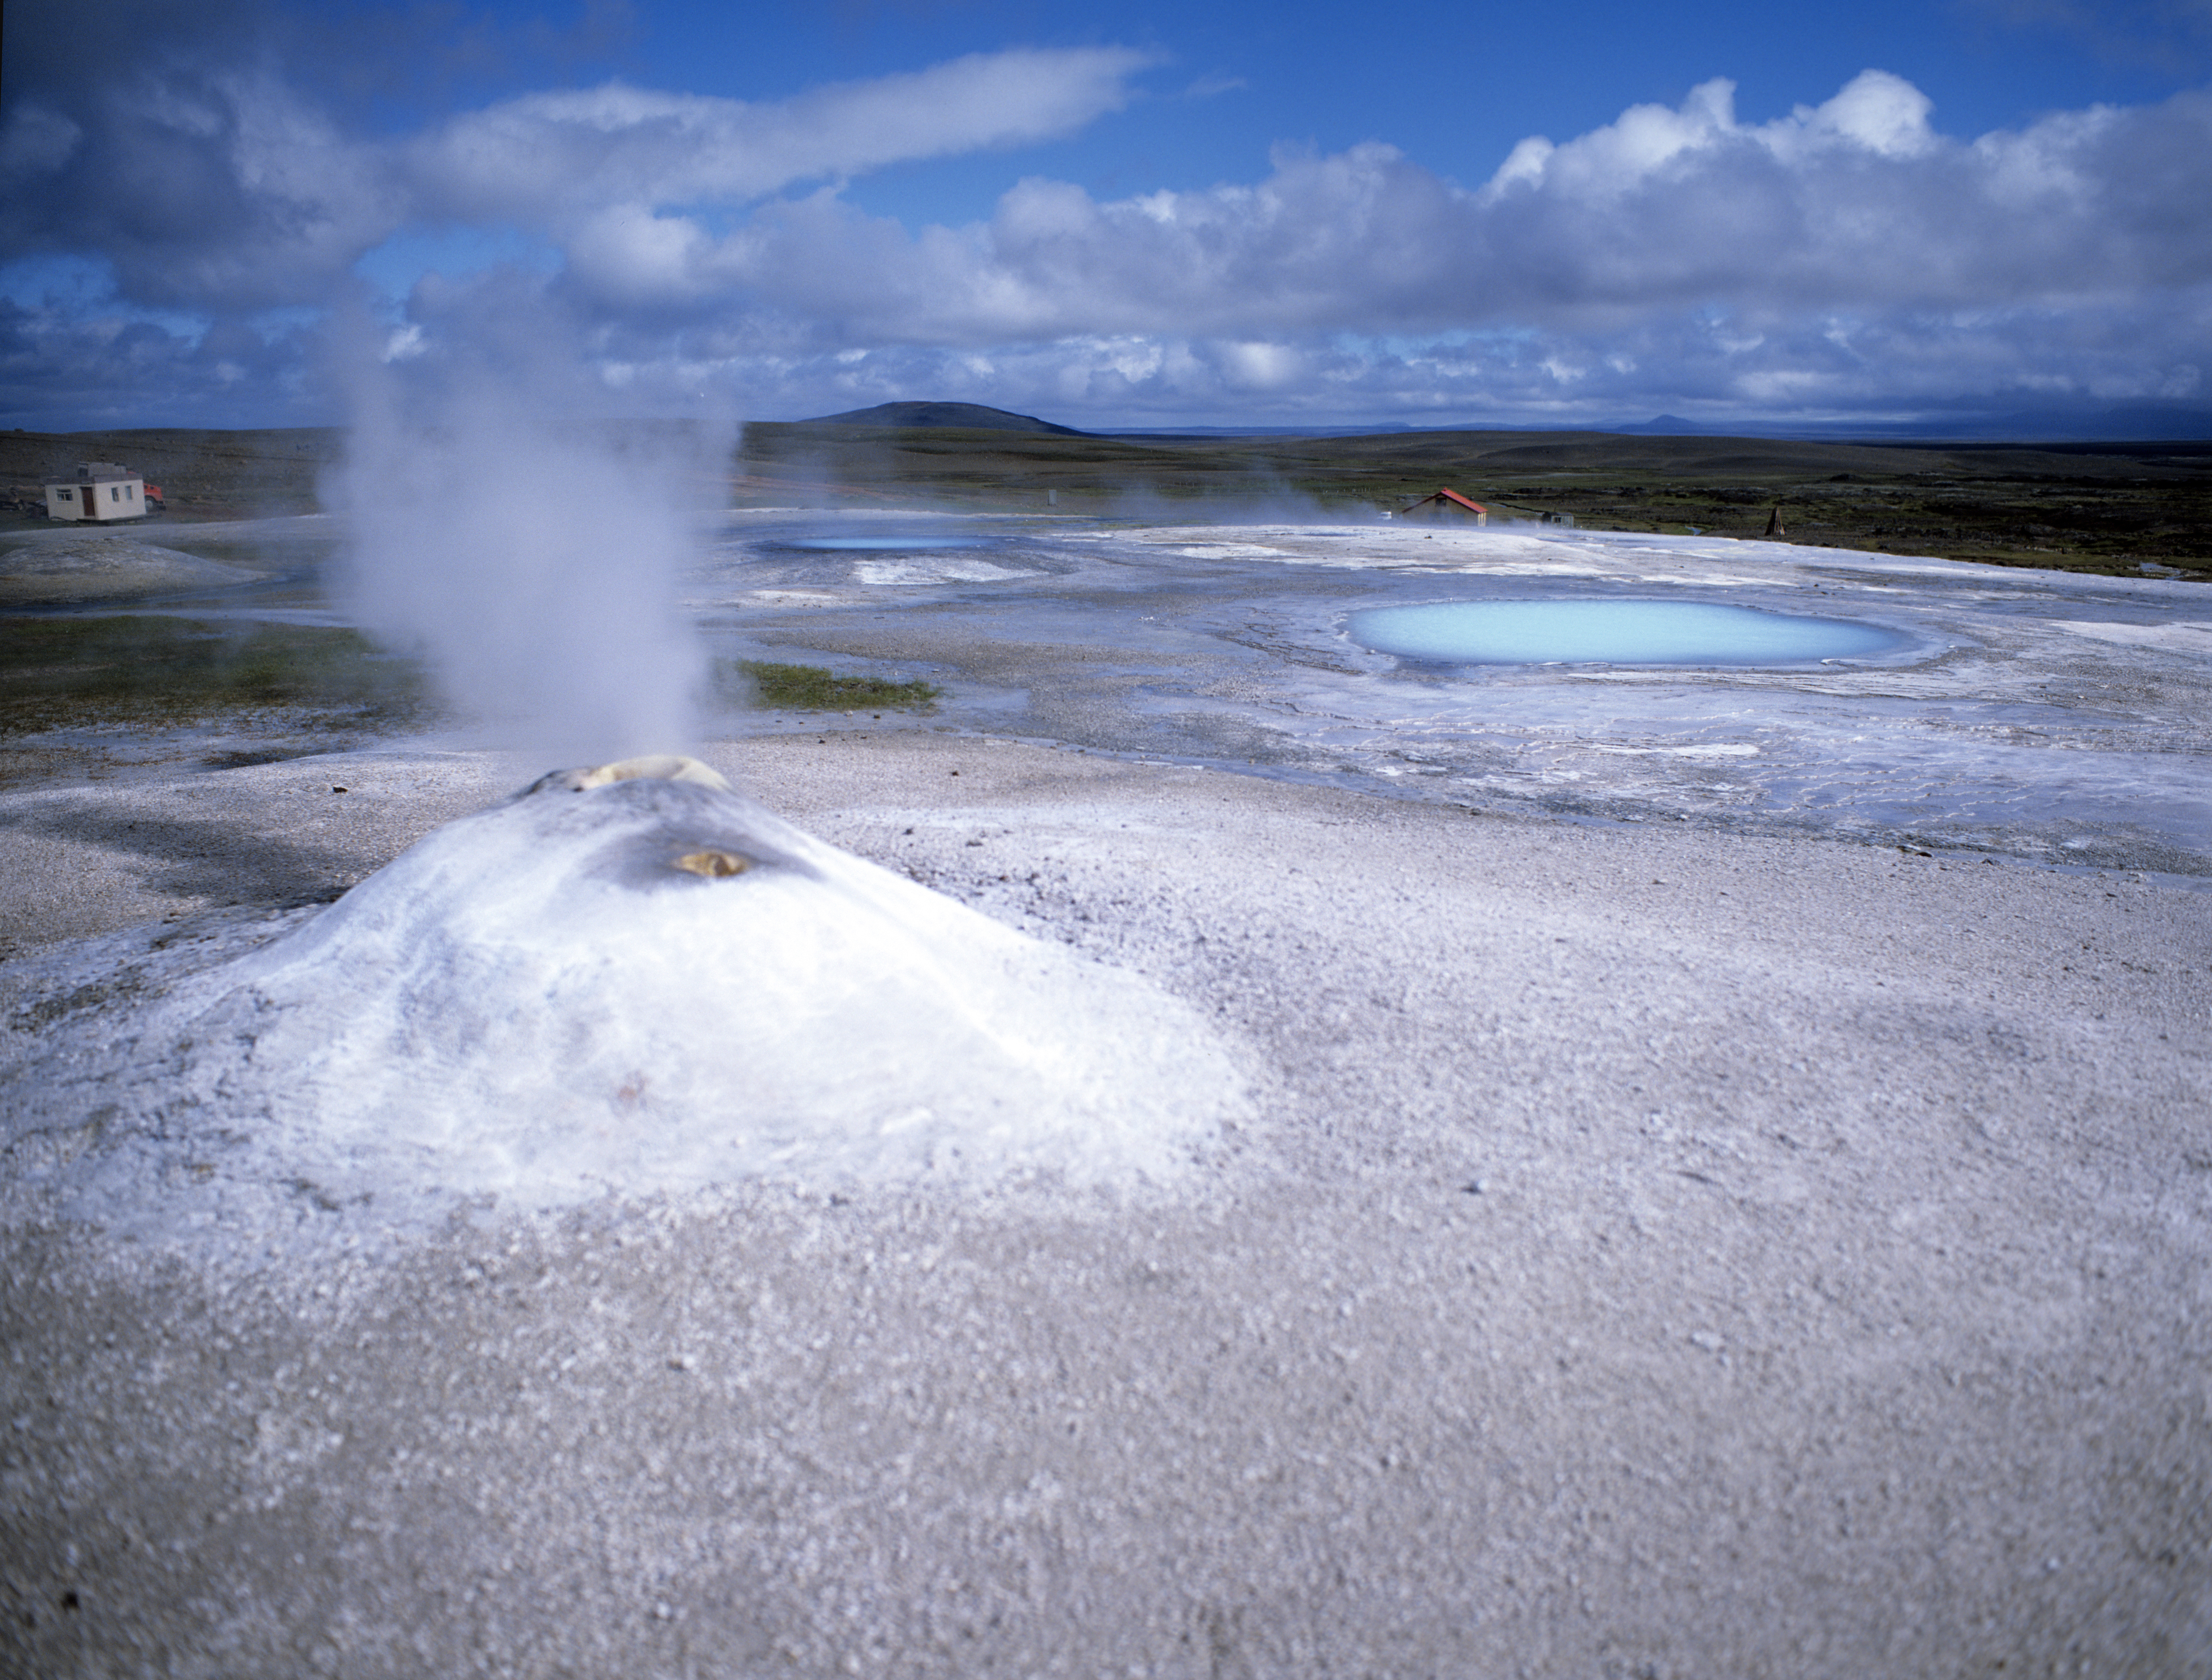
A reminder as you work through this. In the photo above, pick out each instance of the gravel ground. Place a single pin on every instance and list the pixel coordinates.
(1655, 1254)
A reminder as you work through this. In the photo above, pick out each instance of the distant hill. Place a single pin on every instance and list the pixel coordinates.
(973, 416)
(2137, 422)
(1667, 425)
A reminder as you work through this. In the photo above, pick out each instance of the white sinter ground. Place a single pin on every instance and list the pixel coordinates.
(1303, 1163)
(623, 983)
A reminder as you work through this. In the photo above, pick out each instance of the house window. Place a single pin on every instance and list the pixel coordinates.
(67, 495)
(115, 492)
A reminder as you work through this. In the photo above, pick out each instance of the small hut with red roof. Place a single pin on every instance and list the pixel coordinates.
(1449, 507)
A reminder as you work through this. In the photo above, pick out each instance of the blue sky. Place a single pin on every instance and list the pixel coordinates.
(1947, 216)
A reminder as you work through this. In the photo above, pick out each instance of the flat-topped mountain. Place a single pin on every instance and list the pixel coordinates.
(974, 416)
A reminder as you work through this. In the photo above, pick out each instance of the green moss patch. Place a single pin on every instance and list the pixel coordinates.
(58, 673)
(812, 689)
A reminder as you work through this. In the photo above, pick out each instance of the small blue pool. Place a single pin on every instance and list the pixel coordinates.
(1613, 633)
(896, 544)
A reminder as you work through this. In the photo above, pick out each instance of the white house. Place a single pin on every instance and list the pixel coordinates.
(100, 491)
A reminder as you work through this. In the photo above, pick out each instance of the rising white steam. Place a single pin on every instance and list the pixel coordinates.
(524, 545)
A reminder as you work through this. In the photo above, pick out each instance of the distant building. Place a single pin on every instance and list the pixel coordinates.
(101, 492)
(1449, 508)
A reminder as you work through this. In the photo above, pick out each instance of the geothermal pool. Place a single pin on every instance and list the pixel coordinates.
(893, 544)
(1625, 633)
(1762, 686)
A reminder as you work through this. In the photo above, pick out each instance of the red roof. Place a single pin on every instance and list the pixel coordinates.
(1452, 496)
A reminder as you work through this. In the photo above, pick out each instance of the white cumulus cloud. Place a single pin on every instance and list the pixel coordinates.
(1857, 204)
(211, 181)
(1850, 257)
(549, 156)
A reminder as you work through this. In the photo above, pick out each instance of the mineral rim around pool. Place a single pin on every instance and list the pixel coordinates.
(631, 979)
(1627, 633)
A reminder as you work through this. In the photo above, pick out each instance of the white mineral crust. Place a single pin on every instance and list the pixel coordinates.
(645, 984)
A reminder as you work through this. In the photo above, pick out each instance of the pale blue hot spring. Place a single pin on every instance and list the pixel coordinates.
(1620, 632)
(897, 544)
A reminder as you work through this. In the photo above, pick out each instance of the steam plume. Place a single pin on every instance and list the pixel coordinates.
(526, 546)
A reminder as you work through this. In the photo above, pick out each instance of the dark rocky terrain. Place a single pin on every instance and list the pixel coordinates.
(2114, 508)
